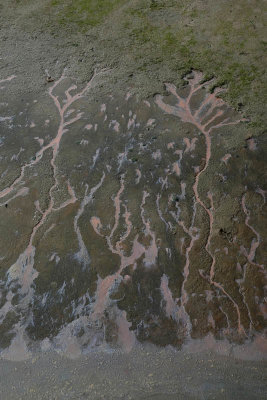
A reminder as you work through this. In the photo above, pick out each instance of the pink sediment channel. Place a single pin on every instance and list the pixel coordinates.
(55, 143)
(170, 145)
(193, 234)
(226, 158)
(138, 176)
(210, 112)
(176, 168)
(151, 253)
(170, 307)
(23, 268)
(107, 285)
(190, 144)
(8, 79)
(126, 337)
(255, 242)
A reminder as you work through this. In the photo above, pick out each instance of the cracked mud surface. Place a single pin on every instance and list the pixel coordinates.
(127, 219)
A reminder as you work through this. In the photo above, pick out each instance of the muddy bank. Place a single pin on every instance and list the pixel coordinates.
(129, 220)
(132, 187)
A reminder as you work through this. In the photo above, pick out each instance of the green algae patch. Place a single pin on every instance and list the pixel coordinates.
(84, 13)
(148, 42)
(157, 41)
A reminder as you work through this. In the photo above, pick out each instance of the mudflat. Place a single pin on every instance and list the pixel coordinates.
(132, 199)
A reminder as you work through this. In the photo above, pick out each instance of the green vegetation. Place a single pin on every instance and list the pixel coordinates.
(84, 13)
(155, 40)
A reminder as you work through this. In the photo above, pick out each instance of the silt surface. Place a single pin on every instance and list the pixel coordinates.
(132, 204)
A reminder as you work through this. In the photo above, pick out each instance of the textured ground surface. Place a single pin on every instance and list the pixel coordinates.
(133, 186)
(144, 374)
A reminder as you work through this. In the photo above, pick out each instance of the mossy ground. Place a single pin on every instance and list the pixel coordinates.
(84, 13)
(222, 39)
(148, 42)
